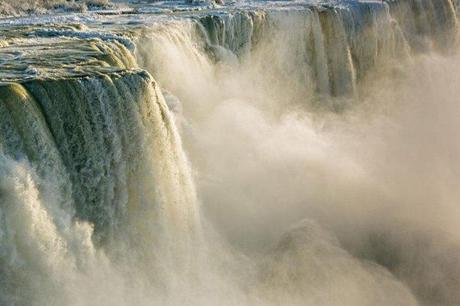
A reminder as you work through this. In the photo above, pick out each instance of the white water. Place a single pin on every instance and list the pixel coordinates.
(22, 7)
(379, 176)
(300, 205)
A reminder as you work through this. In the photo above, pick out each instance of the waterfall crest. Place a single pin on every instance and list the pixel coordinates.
(342, 43)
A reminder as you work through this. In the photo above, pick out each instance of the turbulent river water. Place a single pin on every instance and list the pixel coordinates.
(253, 153)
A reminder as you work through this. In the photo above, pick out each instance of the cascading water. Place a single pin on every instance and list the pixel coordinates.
(95, 161)
(313, 130)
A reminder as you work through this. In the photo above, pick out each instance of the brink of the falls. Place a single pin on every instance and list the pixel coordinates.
(239, 153)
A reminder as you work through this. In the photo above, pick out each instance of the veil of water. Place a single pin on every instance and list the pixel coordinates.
(259, 153)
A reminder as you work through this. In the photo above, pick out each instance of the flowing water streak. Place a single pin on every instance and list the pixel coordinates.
(100, 149)
(223, 88)
(331, 49)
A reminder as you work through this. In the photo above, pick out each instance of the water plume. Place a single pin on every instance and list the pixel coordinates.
(376, 177)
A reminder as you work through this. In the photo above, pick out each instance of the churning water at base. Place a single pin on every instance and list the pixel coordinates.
(294, 156)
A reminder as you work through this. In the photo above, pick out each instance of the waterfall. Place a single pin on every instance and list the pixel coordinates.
(130, 140)
(426, 22)
(103, 151)
(339, 44)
